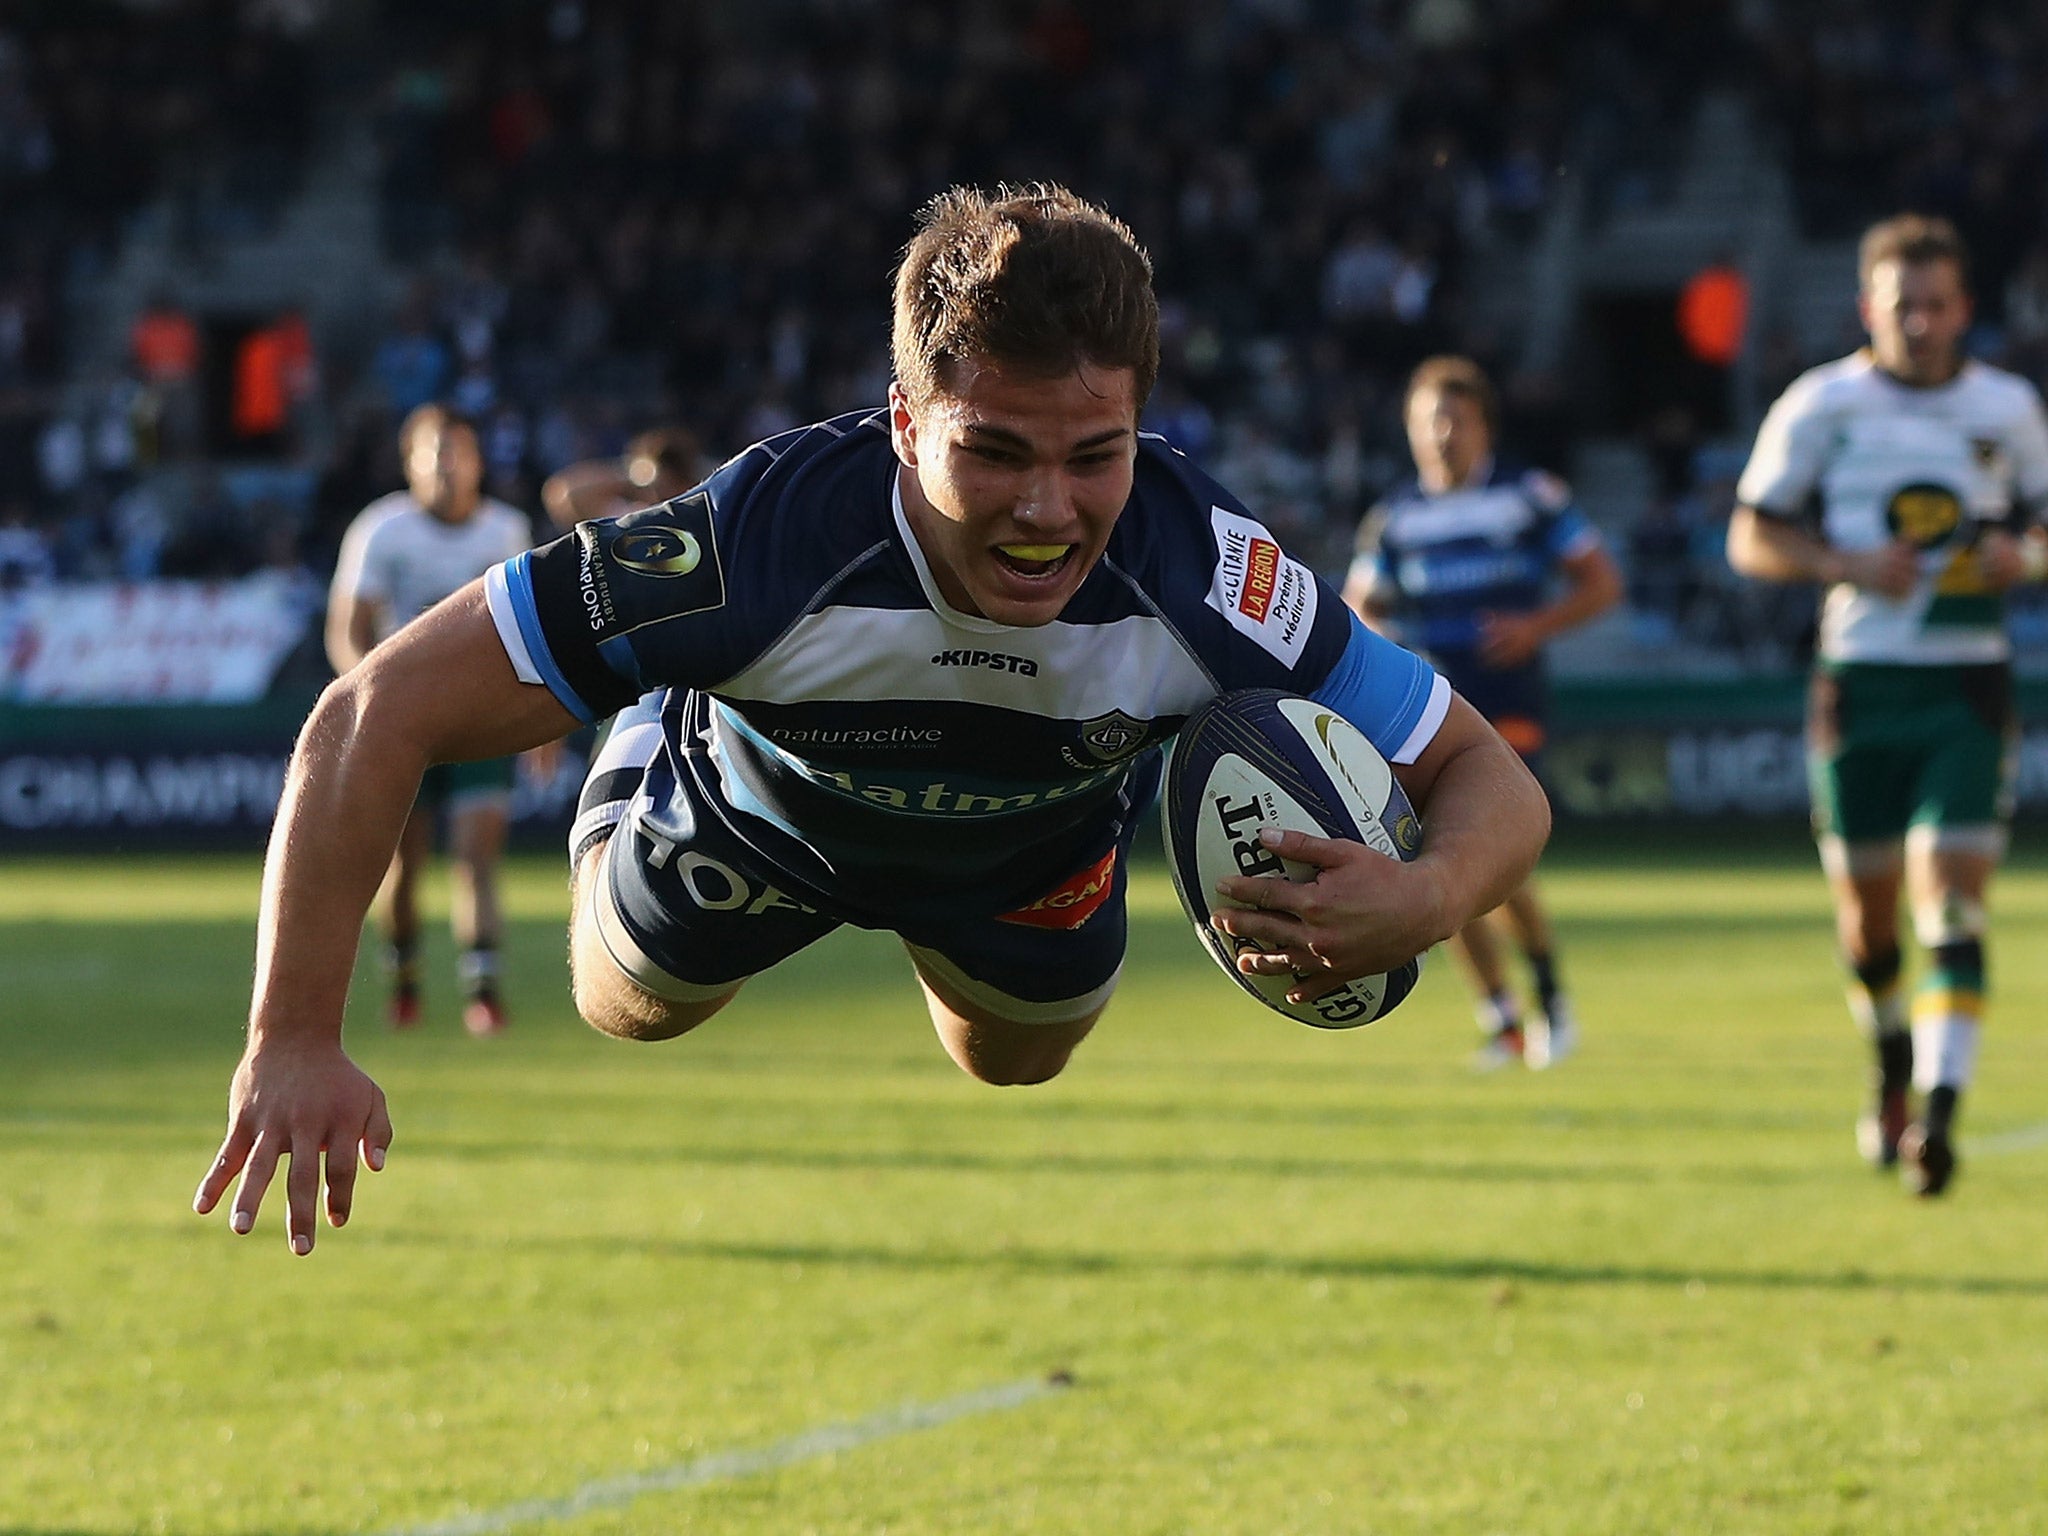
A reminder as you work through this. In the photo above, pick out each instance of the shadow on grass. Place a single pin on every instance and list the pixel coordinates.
(1368, 1167)
(1493, 1267)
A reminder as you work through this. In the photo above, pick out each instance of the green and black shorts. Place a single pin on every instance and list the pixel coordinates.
(1894, 747)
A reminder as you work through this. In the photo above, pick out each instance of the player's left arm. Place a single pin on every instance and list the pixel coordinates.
(2018, 551)
(1572, 547)
(1592, 585)
(1485, 821)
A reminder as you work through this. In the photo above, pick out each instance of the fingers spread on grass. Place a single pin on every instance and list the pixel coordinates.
(377, 1135)
(227, 1162)
(256, 1175)
(302, 1189)
(341, 1179)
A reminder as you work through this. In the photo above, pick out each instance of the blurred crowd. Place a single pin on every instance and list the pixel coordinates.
(1941, 108)
(618, 213)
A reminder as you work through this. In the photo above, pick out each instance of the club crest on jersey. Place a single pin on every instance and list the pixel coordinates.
(1109, 738)
(1924, 514)
(1258, 589)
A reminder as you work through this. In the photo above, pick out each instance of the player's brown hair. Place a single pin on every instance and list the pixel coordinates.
(1911, 239)
(1032, 278)
(433, 417)
(1453, 375)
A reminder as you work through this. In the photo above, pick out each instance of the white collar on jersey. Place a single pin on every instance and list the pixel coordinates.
(933, 595)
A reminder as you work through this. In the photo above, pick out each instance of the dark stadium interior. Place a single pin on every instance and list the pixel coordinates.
(578, 217)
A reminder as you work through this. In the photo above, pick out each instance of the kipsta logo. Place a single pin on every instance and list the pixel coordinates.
(658, 551)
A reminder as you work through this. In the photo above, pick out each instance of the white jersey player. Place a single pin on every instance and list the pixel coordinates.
(403, 554)
(1907, 480)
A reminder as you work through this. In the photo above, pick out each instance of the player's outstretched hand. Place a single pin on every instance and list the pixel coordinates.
(1362, 914)
(297, 1101)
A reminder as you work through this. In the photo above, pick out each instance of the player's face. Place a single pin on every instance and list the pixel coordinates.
(1016, 482)
(444, 470)
(1916, 314)
(1448, 436)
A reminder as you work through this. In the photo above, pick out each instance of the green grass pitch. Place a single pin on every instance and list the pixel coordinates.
(1302, 1282)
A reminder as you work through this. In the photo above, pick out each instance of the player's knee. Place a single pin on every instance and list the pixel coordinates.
(1005, 1053)
(614, 1006)
(1950, 919)
(1014, 1068)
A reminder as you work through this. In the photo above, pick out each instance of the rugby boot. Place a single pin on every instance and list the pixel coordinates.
(1930, 1159)
(1503, 1048)
(484, 1015)
(1555, 1036)
(403, 1010)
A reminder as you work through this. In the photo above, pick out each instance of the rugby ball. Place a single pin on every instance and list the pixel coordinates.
(1261, 758)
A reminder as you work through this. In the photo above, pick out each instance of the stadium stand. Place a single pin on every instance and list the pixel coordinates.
(576, 218)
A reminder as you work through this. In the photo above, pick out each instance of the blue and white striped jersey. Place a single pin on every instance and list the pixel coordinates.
(1444, 559)
(826, 695)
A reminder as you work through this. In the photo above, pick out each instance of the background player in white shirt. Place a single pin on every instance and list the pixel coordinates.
(403, 554)
(1907, 481)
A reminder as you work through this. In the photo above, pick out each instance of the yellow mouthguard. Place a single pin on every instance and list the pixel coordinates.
(1034, 551)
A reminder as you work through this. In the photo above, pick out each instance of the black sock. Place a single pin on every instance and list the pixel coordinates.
(1543, 967)
(402, 958)
(1940, 1114)
(1894, 1061)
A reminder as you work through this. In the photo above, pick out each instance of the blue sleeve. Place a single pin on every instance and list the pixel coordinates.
(1568, 531)
(1392, 695)
(509, 590)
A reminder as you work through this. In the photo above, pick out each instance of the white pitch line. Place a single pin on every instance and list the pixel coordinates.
(2021, 1140)
(611, 1492)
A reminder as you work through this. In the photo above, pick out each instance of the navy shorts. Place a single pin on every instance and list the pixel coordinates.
(689, 917)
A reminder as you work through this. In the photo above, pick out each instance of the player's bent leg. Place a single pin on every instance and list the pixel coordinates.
(477, 823)
(476, 845)
(644, 1004)
(1478, 948)
(397, 912)
(607, 997)
(1949, 872)
(999, 1039)
(1553, 1033)
(1865, 878)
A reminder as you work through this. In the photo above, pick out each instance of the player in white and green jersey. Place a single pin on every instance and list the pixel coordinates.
(404, 553)
(1908, 481)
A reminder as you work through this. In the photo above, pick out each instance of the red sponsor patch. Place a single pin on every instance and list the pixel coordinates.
(1073, 902)
(1261, 570)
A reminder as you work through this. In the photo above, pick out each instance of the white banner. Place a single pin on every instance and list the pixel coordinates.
(163, 642)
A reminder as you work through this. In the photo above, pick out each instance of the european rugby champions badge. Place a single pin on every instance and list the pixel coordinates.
(675, 543)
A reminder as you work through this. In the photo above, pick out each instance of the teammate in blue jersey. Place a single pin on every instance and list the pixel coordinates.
(1459, 563)
(909, 670)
